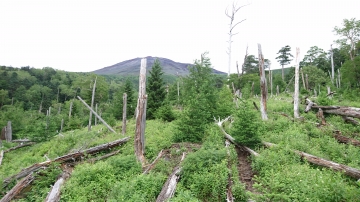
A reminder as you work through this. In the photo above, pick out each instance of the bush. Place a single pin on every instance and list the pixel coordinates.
(246, 127)
(165, 113)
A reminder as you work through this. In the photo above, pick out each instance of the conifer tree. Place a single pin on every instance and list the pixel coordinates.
(155, 89)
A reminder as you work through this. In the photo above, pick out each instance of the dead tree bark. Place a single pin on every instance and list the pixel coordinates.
(307, 81)
(141, 115)
(262, 85)
(277, 90)
(153, 163)
(350, 120)
(338, 110)
(1, 156)
(8, 132)
(124, 114)
(342, 139)
(96, 110)
(92, 105)
(68, 157)
(339, 76)
(19, 146)
(309, 105)
(296, 90)
(169, 187)
(62, 125)
(332, 63)
(349, 171)
(54, 194)
(320, 115)
(303, 80)
(99, 117)
(229, 194)
(252, 89)
(70, 109)
(18, 188)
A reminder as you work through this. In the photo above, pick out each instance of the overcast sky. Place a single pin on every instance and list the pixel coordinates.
(75, 35)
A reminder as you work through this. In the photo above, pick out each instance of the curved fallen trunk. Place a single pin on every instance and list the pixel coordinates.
(19, 146)
(18, 188)
(349, 171)
(338, 110)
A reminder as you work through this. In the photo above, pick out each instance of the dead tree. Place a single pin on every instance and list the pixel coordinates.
(277, 90)
(232, 25)
(153, 163)
(92, 105)
(96, 110)
(19, 146)
(338, 110)
(8, 132)
(99, 117)
(1, 156)
(245, 58)
(70, 109)
(332, 63)
(169, 187)
(141, 115)
(18, 188)
(124, 114)
(263, 86)
(54, 194)
(303, 80)
(296, 90)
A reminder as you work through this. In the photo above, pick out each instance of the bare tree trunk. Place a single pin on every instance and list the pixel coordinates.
(296, 90)
(1, 155)
(282, 73)
(252, 89)
(339, 78)
(92, 105)
(8, 132)
(70, 109)
(271, 82)
(59, 109)
(303, 80)
(141, 115)
(124, 114)
(328, 90)
(307, 81)
(262, 85)
(277, 90)
(332, 64)
(320, 115)
(237, 68)
(96, 110)
(99, 117)
(40, 107)
(62, 125)
(315, 94)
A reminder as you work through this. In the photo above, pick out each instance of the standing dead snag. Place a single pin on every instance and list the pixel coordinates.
(296, 90)
(141, 115)
(92, 105)
(124, 114)
(262, 85)
(231, 15)
(8, 132)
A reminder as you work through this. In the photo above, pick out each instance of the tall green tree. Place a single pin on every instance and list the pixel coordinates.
(316, 56)
(349, 34)
(200, 99)
(251, 65)
(284, 58)
(155, 89)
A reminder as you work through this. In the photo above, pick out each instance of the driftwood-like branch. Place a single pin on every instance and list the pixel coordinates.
(169, 187)
(232, 140)
(352, 172)
(18, 188)
(153, 163)
(68, 157)
(342, 139)
(19, 146)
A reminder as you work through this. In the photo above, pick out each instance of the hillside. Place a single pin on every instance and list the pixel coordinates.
(132, 67)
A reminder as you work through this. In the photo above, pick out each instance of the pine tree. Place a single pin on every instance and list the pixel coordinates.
(155, 89)
(284, 58)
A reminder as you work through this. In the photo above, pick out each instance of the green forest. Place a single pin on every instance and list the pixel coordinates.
(186, 119)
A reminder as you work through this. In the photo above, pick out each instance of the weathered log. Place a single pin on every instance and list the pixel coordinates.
(232, 140)
(1, 156)
(342, 139)
(65, 158)
(350, 120)
(309, 105)
(169, 187)
(21, 140)
(263, 86)
(139, 142)
(338, 110)
(153, 163)
(349, 171)
(18, 188)
(99, 117)
(19, 146)
(229, 194)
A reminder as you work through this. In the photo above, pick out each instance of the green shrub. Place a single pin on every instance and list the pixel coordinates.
(165, 113)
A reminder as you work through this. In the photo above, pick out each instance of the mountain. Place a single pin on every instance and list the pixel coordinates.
(132, 67)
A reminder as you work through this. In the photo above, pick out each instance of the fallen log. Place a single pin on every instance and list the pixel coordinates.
(19, 146)
(349, 171)
(21, 140)
(342, 111)
(309, 105)
(229, 194)
(169, 187)
(350, 120)
(232, 140)
(153, 163)
(18, 188)
(68, 157)
(342, 139)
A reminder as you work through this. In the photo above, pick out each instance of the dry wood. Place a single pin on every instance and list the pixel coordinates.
(350, 120)
(303, 80)
(68, 157)
(307, 81)
(19, 146)
(70, 109)
(21, 140)
(332, 63)
(338, 110)
(320, 115)
(309, 105)
(296, 89)
(232, 140)
(1, 156)
(8, 132)
(169, 187)
(99, 117)
(229, 195)
(139, 142)
(123, 131)
(277, 90)
(54, 194)
(18, 188)
(352, 172)
(256, 107)
(342, 139)
(263, 86)
(92, 105)
(153, 163)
